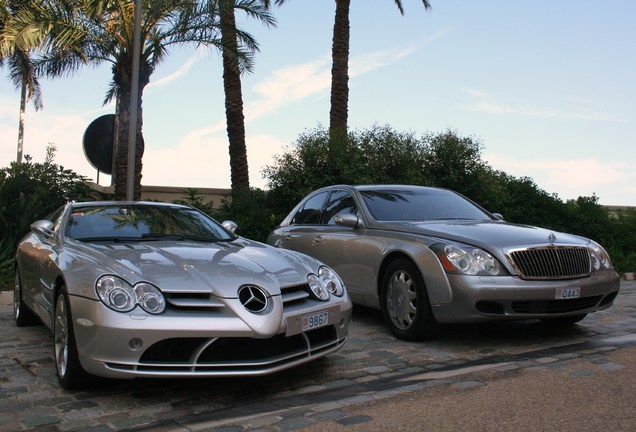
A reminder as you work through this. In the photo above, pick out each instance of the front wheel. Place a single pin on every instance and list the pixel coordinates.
(405, 304)
(69, 370)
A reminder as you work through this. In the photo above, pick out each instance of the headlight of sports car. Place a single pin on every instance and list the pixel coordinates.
(600, 258)
(467, 260)
(318, 287)
(332, 281)
(150, 298)
(120, 296)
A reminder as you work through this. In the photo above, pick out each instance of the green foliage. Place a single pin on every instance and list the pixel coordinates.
(193, 198)
(30, 191)
(251, 211)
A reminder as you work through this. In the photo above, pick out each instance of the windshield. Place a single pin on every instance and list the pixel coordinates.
(420, 205)
(142, 222)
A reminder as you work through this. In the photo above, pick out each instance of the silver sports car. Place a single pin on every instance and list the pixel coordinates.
(160, 290)
(425, 255)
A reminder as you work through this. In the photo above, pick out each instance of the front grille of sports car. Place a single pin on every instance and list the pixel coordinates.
(204, 301)
(233, 355)
(551, 262)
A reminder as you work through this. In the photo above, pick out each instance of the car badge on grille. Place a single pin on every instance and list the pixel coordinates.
(551, 238)
(253, 298)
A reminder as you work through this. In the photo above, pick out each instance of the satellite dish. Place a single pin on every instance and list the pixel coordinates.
(98, 143)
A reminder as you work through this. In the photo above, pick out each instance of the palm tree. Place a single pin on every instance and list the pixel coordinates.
(74, 33)
(22, 74)
(235, 120)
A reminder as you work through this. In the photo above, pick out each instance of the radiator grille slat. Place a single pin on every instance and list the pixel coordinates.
(552, 262)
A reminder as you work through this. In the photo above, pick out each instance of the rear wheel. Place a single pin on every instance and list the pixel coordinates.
(21, 313)
(564, 321)
(405, 304)
(69, 370)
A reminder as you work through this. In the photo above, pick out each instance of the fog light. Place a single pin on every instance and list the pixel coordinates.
(135, 344)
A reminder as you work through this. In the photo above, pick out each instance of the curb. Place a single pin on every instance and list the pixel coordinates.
(628, 276)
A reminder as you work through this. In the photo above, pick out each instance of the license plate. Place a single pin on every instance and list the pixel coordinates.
(316, 320)
(567, 293)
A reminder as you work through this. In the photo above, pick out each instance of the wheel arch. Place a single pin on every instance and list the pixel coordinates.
(435, 281)
(55, 291)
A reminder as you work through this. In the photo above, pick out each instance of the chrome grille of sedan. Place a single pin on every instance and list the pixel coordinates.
(553, 262)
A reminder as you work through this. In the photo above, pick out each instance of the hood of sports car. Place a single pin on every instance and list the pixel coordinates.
(488, 235)
(218, 268)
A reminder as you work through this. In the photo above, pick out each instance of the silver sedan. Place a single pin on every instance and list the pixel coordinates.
(160, 290)
(426, 256)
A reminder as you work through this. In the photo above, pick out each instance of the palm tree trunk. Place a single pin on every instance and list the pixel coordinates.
(120, 171)
(23, 101)
(338, 115)
(233, 100)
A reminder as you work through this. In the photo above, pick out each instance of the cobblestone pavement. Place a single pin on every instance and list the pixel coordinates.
(372, 366)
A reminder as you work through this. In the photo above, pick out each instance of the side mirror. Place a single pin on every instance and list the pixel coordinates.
(498, 216)
(347, 219)
(44, 227)
(230, 226)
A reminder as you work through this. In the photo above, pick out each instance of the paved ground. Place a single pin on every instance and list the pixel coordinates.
(513, 376)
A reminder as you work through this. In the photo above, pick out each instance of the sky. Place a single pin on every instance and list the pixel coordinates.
(546, 87)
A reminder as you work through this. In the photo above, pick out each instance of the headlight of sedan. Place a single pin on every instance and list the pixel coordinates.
(600, 258)
(467, 260)
(120, 296)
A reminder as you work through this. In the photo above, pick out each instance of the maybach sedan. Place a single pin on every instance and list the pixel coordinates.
(427, 255)
(160, 290)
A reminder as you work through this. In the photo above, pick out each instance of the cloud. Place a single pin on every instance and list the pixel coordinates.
(288, 85)
(487, 104)
(181, 72)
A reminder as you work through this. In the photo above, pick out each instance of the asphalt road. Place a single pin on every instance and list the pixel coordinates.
(521, 376)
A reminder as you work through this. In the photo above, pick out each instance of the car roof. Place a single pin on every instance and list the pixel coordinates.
(368, 187)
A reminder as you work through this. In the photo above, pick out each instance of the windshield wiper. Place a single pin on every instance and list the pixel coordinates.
(108, 239)
(154, 237)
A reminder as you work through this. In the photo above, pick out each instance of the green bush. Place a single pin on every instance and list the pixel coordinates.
(251, 211)
(30, 191)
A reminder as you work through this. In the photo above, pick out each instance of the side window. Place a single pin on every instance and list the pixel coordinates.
(309, 214)
(340, 202)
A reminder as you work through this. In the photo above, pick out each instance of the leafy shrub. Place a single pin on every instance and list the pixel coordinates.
(30, 191)
(251, 211)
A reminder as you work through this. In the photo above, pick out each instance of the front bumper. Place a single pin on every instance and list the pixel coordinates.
(476, 298)
(181, 343)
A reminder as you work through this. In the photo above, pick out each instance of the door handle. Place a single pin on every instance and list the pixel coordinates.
(318, 239)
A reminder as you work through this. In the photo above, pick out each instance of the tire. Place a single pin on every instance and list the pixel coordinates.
(69, 370)
(563, 321)
(21, 313)
(405, 303)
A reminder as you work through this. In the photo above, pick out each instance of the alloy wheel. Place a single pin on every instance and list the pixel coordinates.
(61, 336)
(402, 300)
